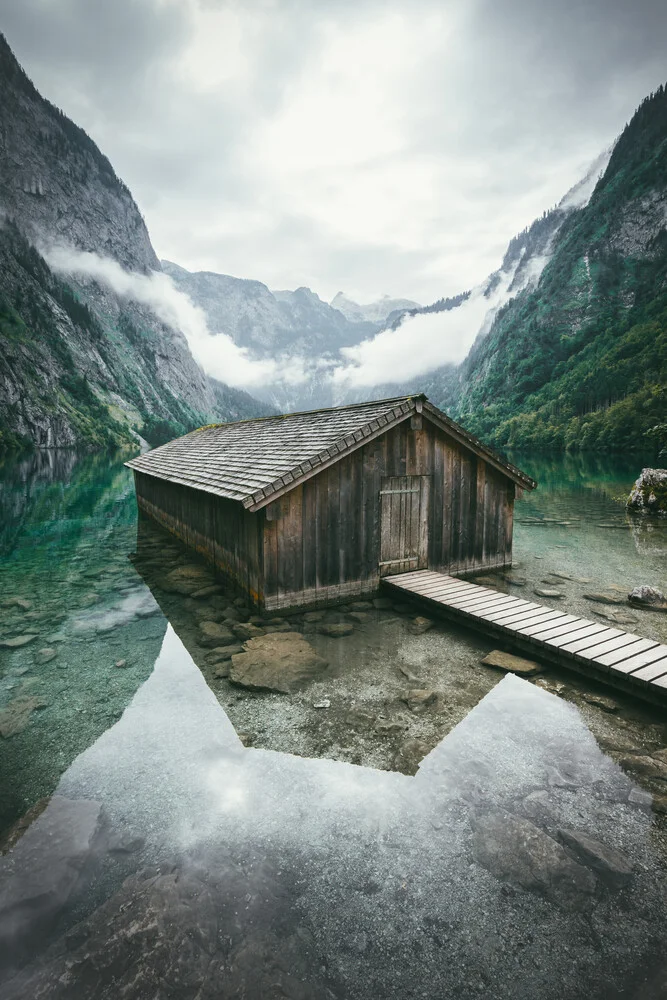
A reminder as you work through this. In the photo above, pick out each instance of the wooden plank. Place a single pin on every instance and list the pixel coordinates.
(548, 620)
(470, 598)
(445, 591)
(651, 672)
(583, 633)
(565, 627)
(423, 520)
(524, 605)
(507, 602)
(659, 682)
(610, 635)
(455, 589)
(482, 599)
(507, 616)
(610, 645)
(626, 660)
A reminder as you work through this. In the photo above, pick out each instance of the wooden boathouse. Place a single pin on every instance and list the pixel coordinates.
(311, 508)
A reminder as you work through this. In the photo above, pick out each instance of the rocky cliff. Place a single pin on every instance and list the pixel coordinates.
(81, 365)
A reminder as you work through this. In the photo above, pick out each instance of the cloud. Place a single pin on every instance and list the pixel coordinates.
(422, 342)
(218, 355)
(372, 146)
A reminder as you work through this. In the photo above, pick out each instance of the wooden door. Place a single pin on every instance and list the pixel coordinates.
(403, 524)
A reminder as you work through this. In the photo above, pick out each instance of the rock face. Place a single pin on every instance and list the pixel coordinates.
(649, 494)
(518, 852)
(80, 364)
(280, 661)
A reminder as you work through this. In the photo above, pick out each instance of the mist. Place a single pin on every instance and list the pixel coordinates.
(217, 354)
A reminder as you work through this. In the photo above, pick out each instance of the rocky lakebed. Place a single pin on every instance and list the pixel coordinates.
(361, 801)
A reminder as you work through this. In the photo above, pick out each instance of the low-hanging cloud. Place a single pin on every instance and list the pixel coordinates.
(218, 355)
(423, 342)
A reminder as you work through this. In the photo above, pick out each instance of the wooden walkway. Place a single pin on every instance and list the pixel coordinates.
(605, 654)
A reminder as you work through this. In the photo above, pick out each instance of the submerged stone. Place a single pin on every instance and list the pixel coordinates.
(613, 867)
(45, 654)
(17, 641)
(547, 592)
(516, 851)
(511, 663)
(336, 630)
(277, 662)
(600, 701)
(16, 715)
(601, 597)
(213, 634)
(419, 625)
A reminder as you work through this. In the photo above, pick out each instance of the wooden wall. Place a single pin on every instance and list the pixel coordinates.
(228, 536)
(322, 540)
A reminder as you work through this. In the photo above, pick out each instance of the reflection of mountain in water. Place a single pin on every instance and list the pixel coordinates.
(268, 875)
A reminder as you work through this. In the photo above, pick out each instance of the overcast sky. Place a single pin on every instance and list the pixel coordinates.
(373, 147)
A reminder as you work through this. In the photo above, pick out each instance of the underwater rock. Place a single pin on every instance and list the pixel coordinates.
(612, 866)
(514, 850)
(277, 662)
(648, 597)
(419, 699)
(603, 598)
(382, 603)
(245, 631)
(45, 655)
(16, 715)
(17, 641)
(648, 767)
(361, 606)
(511, 663)
(187, 580)
(17, 602)
(419, 625)
(336, 630)
(649, 494)
(314, 616)
(547, 592)
(40, 874)
(600, 701)
(359, 616)
(213, 634)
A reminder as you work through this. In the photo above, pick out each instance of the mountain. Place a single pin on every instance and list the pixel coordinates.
(578, 358)
(81, 365)
(268, 323)
(374, 312)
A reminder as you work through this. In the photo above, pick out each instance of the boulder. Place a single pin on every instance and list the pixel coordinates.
(336, 630)
(613, 867)
(648, 597)
(213, 634)
(280, 661)
(513, 664)
(649, 494)
(514, 850)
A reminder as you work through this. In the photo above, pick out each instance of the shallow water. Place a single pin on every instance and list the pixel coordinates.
(199, 840)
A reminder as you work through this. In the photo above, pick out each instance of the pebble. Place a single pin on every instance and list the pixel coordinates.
(45, 655)
(324, 703)
(120, 663)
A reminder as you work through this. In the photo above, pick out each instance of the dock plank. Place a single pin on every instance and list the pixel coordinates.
(605, 653)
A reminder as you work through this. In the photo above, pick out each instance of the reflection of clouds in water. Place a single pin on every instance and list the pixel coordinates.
(382, 862)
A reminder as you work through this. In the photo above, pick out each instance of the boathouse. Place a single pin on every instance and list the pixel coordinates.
(311, 508)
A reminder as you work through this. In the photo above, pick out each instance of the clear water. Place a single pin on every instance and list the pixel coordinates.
(170, 852)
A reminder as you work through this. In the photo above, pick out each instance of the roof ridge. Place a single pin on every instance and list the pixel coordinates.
(307, 413)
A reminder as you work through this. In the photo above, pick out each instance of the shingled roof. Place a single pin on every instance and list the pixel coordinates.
(254, 461)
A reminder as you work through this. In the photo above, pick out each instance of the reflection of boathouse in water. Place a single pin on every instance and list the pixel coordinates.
(309, 508)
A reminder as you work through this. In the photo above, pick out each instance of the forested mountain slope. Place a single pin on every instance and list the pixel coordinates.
(80, 365)
(580, 360)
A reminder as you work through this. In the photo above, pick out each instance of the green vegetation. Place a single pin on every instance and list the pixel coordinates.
(581, 361)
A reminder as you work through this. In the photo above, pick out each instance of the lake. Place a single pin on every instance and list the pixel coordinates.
(409, 824)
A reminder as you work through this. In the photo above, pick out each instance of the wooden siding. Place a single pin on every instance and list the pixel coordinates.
(325, 543)
(228, 536)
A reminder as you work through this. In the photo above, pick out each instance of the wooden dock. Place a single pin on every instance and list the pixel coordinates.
(608, 655)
